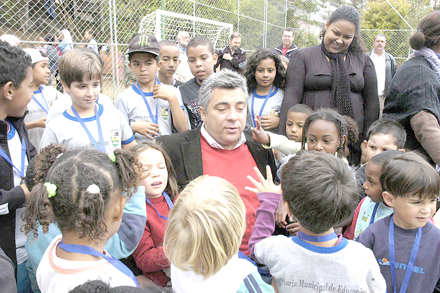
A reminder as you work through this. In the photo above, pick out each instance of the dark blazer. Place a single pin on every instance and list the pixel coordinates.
(309, 81)
(10, 195)
(185, 152)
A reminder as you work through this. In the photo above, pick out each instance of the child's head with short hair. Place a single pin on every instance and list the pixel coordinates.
(143, 56)
(154, 158)
(15, 80)
(296, 117)
(79, 65)
(328, 131)
(81, 73)
(383, 135)
(98, 286)
(373, 171)
(264, 69)
(168, 58)
(40, 66)
(411, 186)
(205, 226)
(320, 190)
(201, 57)
(81, 190)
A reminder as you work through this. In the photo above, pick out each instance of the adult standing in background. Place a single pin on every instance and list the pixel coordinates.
(183, 73)
(232, 57)
(287, 48)
(385, 65)
(414, 93)
(336, 74)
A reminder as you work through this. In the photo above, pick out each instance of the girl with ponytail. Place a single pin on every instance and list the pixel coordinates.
(84, 192)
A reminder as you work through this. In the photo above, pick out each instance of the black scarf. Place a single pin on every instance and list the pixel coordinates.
(341, 93)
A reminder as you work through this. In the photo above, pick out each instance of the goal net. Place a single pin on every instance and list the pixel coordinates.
(166, 25)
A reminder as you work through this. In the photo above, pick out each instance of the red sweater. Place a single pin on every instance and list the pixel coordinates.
(149, 254)
(233, 166)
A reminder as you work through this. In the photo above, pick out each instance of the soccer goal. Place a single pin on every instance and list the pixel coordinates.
(166, 25)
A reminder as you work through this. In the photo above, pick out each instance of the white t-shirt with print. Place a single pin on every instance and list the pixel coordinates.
(66, 130)
(46, 96)
(132, 105)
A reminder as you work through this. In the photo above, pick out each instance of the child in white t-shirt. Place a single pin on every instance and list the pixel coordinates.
(86, 123)
(43, 97)
(204, 232)
(320, 191)
(150, 109)
(265, 74)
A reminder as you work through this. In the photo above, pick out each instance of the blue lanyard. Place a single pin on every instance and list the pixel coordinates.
(153, 118)
(412, 259)
(172, 82)
(311, 238)
(92, 139)
(374, 213)
(23, 156)
(169, 203)
(75, 248)
(44, 99)
(264, 103)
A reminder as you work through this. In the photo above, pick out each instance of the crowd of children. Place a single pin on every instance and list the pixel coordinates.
(79, 175)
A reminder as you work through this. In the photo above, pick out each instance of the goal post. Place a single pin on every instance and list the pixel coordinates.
(166, 25)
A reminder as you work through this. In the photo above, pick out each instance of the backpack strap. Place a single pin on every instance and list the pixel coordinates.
(254, 287)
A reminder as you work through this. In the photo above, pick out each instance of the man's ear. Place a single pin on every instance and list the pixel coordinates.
(388, 198)
(203, 114)
(215, 57)
(7, 91)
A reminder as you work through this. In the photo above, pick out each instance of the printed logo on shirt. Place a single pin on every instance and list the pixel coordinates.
(116, 138)
(165, 113)
(400, 266)
(275, 111)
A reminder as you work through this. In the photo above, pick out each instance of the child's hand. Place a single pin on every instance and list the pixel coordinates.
(264, 185)
(40, 123)
(281, 214)
(293, 228)
(270, 121)
(258, 134)
(163, 92)
(148, 129)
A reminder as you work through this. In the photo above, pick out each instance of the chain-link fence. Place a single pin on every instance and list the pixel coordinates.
(260, 22)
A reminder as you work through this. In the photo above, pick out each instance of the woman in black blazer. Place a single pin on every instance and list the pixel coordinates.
(336, 74)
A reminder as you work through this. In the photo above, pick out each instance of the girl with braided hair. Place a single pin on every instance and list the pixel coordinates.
(84, 193)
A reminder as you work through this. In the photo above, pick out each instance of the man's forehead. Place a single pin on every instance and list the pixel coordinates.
(228, 96)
